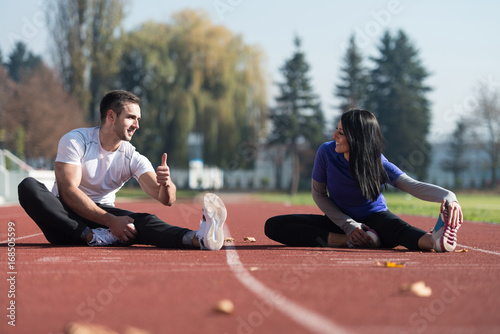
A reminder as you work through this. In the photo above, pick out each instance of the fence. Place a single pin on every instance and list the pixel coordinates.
(13, 170)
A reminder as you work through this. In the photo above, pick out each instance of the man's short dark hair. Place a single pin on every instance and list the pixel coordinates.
(116, 101)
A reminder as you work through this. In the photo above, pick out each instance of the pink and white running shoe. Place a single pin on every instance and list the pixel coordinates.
(443, 235)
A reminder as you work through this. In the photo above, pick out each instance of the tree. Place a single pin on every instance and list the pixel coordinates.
(397, 96)
(41, 111)
(455, 161)
(105, 51)
(85, 35)
(21, 61)
(195, 77)
(298, 116)
(6, 92)
(486, 122)
(354, 79)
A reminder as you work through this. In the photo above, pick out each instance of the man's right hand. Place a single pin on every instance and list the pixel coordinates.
(123, 228)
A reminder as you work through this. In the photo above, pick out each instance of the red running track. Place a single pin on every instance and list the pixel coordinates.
(275, 289)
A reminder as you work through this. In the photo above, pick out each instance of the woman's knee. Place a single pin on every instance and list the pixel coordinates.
(272, 227)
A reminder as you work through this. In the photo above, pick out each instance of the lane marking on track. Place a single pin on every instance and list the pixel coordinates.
(20, 238)
(480, 250)
(308, 319)
(10, 216)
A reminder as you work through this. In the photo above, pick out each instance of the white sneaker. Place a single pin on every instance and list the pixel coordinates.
(104, 237)
(444, 237)
(211, 232)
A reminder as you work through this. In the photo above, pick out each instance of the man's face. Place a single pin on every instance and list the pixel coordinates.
(128, 122)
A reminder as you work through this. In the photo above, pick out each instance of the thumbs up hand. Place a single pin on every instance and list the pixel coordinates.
(163, 172)
(164, 159)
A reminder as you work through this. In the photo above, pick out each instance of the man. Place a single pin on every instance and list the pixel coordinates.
(92, 164)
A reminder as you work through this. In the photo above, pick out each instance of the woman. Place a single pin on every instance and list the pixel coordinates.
(347, 180)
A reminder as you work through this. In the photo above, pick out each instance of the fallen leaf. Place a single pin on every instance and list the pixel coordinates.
(251, 239)
(224, 306)
(87, 328)
(404, 287)
(228, 239)
(135, 330)
(420, 289)
(390, 264)
(463, 250)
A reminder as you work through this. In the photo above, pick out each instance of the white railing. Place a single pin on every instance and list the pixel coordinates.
(12, 175)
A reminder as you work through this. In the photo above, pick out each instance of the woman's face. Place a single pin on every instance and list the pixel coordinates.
(342, 146)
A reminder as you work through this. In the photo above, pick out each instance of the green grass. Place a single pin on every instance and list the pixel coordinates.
(476, 207)
(136, 193)
(481, 207)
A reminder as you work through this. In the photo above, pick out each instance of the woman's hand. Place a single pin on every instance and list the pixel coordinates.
(455, 215)
(358, 237)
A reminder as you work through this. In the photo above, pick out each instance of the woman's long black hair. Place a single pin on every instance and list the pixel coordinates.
(363, 134)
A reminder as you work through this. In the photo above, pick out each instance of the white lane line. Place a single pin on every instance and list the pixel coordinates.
(480, 250)
(308, 319)
(20, 238)
(11, 216)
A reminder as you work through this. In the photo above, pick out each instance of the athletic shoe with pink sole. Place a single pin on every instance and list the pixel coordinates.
(211, 232)
(443, 235)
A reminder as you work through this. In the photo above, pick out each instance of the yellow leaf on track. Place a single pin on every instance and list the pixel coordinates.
(390, 264)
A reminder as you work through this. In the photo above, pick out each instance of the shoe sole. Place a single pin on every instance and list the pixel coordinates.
(448, 240)
(216, 215)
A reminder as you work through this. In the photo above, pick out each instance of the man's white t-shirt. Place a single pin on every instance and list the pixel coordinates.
(103, 172)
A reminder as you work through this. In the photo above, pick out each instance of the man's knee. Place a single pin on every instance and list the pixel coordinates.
(31, 190)
(27, 187)
(26, 184)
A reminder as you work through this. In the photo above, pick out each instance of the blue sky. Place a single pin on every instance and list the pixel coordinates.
(458, 40)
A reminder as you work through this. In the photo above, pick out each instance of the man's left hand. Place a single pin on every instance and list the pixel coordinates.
(163, 172)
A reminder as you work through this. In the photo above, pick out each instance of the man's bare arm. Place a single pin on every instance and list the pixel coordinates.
(159, 185)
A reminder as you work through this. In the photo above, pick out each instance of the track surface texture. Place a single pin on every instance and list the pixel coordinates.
(274, 289)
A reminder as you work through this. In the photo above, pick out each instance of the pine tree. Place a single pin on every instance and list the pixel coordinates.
(354, 80)
(397, 96)
(455, 161)
(21, 61)
(298, 115)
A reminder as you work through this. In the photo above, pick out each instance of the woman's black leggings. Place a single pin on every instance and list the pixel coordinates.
(312, 230)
